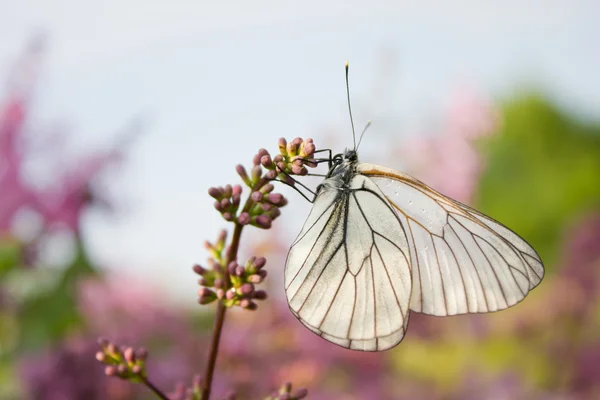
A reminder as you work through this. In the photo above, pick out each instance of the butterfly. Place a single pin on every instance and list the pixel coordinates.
(379, 244)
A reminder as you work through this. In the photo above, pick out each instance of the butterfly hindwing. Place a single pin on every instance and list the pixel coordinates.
(347, 275)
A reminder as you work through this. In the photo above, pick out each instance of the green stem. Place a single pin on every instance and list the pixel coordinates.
(220, 318)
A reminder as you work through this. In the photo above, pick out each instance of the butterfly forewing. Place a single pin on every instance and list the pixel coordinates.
(347, 275)
(462, 261)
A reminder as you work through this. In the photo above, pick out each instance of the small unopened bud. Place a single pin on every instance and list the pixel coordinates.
(111, 348)
(141, 354)
(275, 198)
(262, 273)
(242, 173)
(225, 204)
(270, 175)
(121, 369)
(220, 293)
(256, 196)
(256, 173)
(129, 355)
(227, 191)
(231, 268)
(230, 295)
(267, 162)
(298, 170)
(268, 188)
(301, 393)
(199, 269)
(215, 193)
(275, 213)
(264, 221)
(219, 283)
(255, 278)
(246, 289)
(136, 369)
(259, 262)
(248, 304)
(228, 216)
(286, 388)
(260, 295)
(100, 356)
(282, 146)
(244, 218)
(240, 271)
(110, 370)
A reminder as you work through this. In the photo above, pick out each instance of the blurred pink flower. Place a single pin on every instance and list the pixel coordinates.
(62, 204)
(448, 161)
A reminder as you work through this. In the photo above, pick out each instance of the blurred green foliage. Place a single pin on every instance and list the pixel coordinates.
(542, 172)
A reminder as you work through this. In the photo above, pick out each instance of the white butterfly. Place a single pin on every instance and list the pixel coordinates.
(378, 244)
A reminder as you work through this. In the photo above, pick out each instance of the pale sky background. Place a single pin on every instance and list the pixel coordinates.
(218, 80)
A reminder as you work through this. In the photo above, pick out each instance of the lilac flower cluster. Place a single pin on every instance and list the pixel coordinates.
(240, 291)
(224, 278)
(263, 205)
(124, 362)
(182, 392)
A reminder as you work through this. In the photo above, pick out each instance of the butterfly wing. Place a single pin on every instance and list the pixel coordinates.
(347, 275)
(462, 261)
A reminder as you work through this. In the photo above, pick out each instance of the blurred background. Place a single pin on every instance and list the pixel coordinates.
(116, 117)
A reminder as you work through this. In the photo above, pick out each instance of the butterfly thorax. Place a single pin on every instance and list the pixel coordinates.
(342, 171)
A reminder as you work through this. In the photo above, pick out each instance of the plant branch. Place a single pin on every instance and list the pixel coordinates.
(156, 391)
(220, 317)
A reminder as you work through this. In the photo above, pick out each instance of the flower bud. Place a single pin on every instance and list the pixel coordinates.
(255, 278)
(129, 355)
(231, 268)
(141, 354)
(260, 295)
(227, 190)
(275, 198)
(110, 370)
(282, 146)
(100, 356)
(301, 393)
(240, 271)
(256, 173)
(136, 369)
(256, 197)
(248, 304)
(270, 175)
(121, 370)
(263, 221)
(228, 216)
(199, 269)
(216, 193)
(259, 262)
(246, 289)
(230, 295)
(244, 218)
(267, 162)
(242, 173)
(268, 188)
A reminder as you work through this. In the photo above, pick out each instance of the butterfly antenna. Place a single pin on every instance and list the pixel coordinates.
(363, 133)
(349, 107)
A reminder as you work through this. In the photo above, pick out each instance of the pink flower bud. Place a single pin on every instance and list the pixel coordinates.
(282, 146)
(244, 218)
(199, 269)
